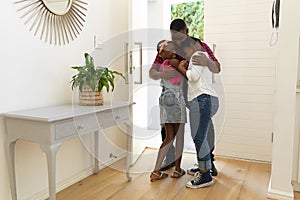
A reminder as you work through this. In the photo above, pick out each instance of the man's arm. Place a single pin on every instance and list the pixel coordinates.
(214, 65)
(174, 62)
(218, 65)
(154, 73)
(166, 73)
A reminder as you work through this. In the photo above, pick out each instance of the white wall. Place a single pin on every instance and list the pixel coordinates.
(296, 166)
(35, 74)
(241, 31)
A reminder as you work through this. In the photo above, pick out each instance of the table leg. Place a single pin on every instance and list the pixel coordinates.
(10, 155)
(96, 152)
(129, 150)
(51, 151)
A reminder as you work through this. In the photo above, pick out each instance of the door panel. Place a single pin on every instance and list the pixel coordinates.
(138, 87)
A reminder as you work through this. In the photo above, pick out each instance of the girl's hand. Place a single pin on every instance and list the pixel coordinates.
(183, 64)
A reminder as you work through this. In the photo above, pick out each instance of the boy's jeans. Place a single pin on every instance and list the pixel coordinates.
(202, 109)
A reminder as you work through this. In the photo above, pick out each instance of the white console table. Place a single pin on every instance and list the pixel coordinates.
(51, 126)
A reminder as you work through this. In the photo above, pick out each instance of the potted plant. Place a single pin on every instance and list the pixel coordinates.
(91, 80)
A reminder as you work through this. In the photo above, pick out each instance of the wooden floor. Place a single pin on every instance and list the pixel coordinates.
(237, 179)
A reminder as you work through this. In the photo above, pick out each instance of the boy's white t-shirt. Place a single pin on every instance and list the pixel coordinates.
(199, 80)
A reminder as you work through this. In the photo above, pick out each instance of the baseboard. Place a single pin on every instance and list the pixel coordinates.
(278, 194)
(243, 159)
(44, 194)
(296, 186)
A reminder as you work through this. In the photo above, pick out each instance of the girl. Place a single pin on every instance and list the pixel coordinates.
(172, 115)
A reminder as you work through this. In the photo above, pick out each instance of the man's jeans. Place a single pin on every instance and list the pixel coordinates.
(202, 109)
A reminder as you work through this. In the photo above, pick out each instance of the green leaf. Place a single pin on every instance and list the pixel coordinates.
(119, 73)
(81, 86)
(111, 81)
(92, 84)
(105, 84)
(100, 86)
(88, 59)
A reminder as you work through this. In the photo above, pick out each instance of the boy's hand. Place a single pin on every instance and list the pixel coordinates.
(200, 59)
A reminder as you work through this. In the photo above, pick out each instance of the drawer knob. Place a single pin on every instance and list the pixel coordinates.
(80, 127)
(111, 155)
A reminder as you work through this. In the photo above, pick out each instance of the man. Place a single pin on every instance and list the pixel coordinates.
(179, 34)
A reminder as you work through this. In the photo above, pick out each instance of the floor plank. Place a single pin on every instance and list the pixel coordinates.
(296, 195)
(237, 180)
(251, 191)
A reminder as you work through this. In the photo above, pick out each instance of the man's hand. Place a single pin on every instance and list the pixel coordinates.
(168, 73)
(200, 59)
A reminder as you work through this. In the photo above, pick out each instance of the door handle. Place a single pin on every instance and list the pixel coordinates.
(213, 75)
(130, 62)
(126, 62)
(141, 62)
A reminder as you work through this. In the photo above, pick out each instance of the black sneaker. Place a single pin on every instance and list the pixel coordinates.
(166, 165)
(213, 171)
(200, 180)
(192, 171)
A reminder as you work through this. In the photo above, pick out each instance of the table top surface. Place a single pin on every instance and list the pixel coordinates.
(65, 111)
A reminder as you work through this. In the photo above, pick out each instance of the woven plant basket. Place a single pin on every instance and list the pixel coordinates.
(88, 97)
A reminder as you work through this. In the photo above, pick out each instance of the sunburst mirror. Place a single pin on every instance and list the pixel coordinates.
(55, 21)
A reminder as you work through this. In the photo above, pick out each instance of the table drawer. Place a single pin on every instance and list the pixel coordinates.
(110, 118)
(76, 127)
